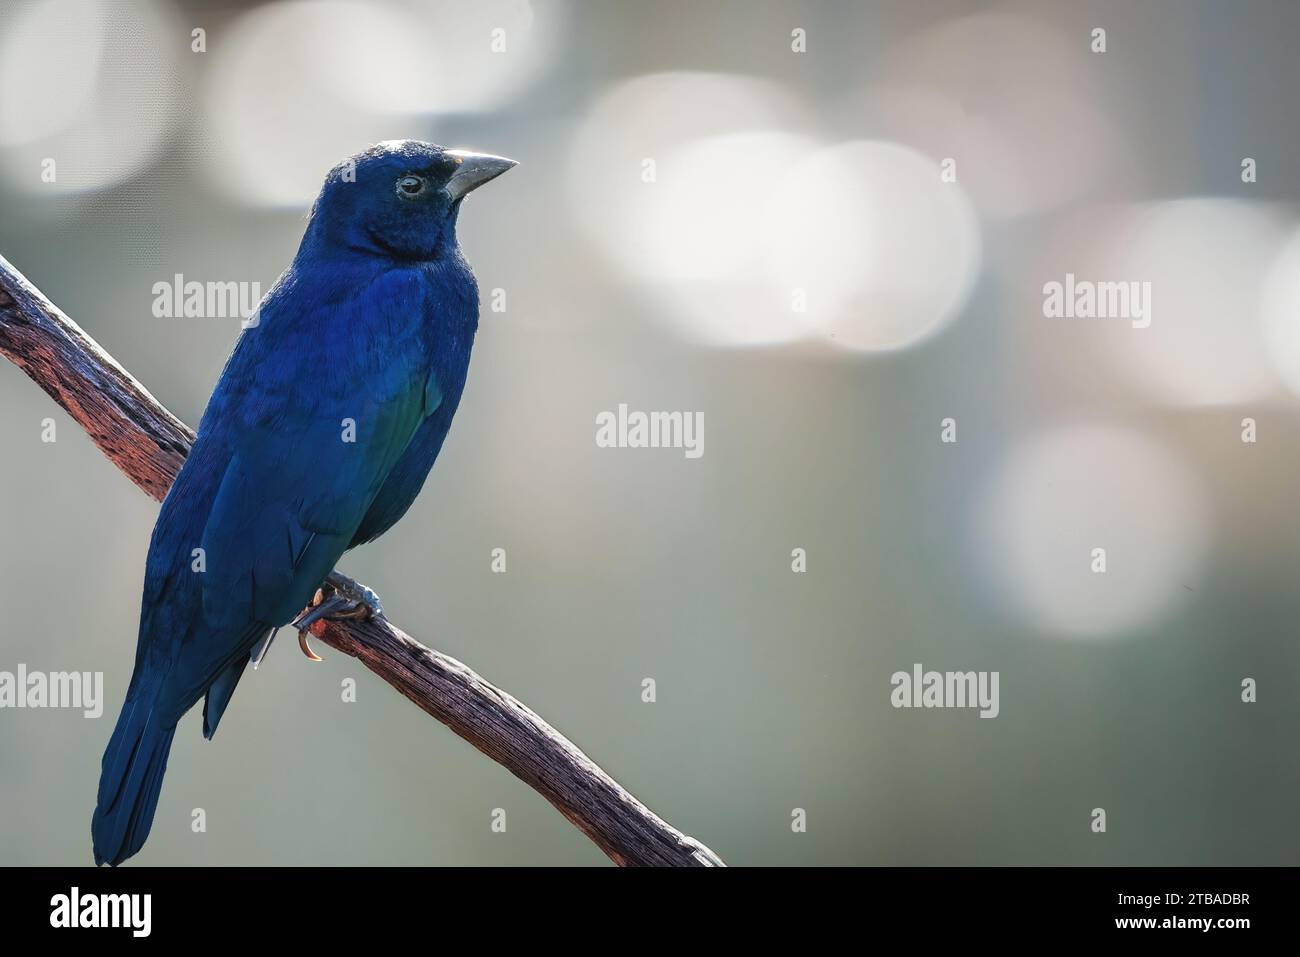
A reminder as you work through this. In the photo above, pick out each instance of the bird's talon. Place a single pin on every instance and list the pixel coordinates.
(329, 607)
(338, 599)
(306, 648)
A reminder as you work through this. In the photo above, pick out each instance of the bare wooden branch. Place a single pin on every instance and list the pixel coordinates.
(129, 425)
(149, 444)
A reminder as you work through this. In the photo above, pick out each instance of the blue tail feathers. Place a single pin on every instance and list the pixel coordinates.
(130, 780)
(214, 705)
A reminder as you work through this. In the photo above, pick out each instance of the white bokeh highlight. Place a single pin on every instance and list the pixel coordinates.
(274, 116)
(459, 57)
(753, 232)
(959, 88)
(1208, 263)
(1281, 313)
(49, 62)
(887, 252)
(691, 238)
(98, 94)
(1058, 496)
(295, 87)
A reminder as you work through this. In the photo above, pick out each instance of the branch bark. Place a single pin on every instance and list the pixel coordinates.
(149, 444)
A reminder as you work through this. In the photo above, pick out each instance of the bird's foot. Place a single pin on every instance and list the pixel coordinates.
(338, 599)
(365, 598)
(322, 605)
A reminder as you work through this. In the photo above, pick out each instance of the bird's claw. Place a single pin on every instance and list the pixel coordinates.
(338, 599)
(306, 648)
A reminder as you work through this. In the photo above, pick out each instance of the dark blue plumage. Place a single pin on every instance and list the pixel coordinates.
(372, 325)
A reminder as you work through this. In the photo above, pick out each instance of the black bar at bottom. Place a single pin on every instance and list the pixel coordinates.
(371, 906)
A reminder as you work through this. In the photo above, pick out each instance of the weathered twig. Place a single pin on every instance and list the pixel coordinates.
(149, 444)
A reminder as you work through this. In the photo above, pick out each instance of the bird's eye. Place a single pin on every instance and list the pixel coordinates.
(410, 186)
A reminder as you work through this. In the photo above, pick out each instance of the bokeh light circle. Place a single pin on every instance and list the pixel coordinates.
(1057, 497)
(744, 229)
(295, 87)
(886, 250)
(958, 89)
(1207, 264)
(97, 95)
(1281, 313)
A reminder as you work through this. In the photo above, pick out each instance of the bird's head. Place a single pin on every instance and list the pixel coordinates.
(399, 199)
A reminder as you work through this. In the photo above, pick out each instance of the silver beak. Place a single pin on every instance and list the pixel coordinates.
(474, 170)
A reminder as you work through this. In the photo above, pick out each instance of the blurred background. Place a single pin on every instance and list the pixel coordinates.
(791, 265)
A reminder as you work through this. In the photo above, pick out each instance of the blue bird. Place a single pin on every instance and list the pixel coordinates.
(318, 437)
